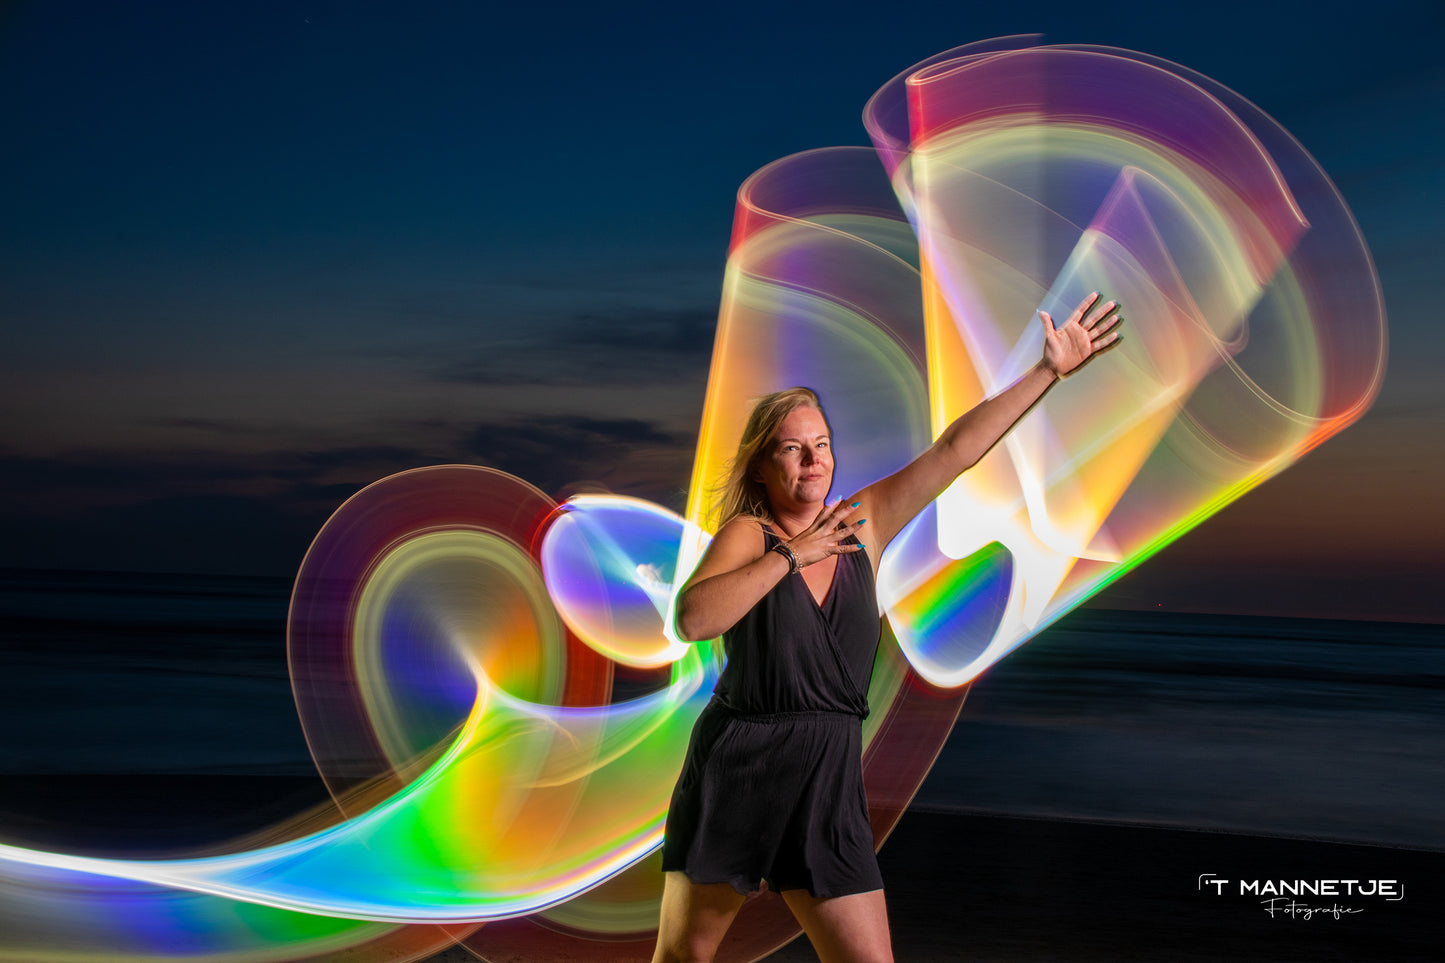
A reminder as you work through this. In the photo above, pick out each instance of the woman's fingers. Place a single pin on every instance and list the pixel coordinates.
(828, 534)
(851, 529)
(1089, 313)
(1083, 308)
(1106, 324)
(838, 527)
(1099, 313)
(1091, 328)
(833, 518)
(840, 543)
(1101, 335)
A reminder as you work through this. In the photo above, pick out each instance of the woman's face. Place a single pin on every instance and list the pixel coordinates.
(797, 465)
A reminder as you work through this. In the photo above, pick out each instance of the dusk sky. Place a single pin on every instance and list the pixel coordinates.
(257, 255)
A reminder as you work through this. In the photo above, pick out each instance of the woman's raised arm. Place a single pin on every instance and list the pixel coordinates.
(892, 502)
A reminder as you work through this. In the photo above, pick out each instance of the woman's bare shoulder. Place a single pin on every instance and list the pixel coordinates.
(737, 543)
(741, 530)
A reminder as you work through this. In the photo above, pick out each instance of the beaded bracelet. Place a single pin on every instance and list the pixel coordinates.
(783, 549)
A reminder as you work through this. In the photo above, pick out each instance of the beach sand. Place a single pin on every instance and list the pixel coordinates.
(960, 886)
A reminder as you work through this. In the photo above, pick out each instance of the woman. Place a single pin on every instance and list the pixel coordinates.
(772, 788)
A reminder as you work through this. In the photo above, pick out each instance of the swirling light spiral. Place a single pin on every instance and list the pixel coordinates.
(486, 679)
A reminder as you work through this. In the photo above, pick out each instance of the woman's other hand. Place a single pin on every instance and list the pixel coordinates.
(1087, 333)
(827, 535)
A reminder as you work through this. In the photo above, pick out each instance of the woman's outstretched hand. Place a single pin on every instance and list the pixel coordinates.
(1068, 347)
(827, 535)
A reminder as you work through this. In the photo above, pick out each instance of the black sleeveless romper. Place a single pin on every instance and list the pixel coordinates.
(772, 786)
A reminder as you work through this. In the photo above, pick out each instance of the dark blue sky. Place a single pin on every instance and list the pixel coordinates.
(256, 255)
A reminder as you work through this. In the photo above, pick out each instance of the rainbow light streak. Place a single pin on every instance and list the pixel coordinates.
(1036, 175)
(455, 634)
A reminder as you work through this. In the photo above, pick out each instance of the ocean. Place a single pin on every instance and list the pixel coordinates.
(1284, 727)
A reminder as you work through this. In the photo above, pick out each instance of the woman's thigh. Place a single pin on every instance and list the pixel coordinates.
(695, 918)
(844, 929)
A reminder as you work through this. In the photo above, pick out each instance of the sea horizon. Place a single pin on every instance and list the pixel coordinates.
(1324, 729)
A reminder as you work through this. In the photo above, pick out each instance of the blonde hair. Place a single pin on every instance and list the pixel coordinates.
(742, 493)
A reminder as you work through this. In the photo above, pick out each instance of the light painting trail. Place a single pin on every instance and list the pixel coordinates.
(455, 636)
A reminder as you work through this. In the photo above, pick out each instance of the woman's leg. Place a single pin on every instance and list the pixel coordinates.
(695, 918)
(844, 929)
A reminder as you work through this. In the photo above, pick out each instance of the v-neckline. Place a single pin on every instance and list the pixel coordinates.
(820, 604)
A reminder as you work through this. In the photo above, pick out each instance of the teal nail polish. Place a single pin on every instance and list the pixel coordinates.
(856, 504)
(862, 520)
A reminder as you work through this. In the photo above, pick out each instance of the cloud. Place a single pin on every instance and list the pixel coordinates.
(593, 348)
(255, 512)
(558, 453)
(111, 477)
(191, 511)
